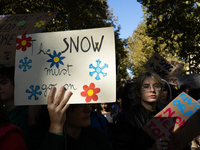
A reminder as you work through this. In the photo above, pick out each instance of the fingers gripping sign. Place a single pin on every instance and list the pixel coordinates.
(57, 108)
(161, 144)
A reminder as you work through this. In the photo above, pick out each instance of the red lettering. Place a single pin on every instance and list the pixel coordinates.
(171, 130)
(160, 117)
(152, 124)
(156, 131)
(177, 119)
(165, 124)
(170, 113)
(182, 124)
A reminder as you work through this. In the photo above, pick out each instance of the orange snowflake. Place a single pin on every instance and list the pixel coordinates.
(90, 92)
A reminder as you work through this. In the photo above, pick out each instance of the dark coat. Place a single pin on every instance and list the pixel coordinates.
(129, 133)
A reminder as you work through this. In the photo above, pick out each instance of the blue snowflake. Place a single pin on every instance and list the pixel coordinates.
(34, 92)
(25, 64)
(98, 70)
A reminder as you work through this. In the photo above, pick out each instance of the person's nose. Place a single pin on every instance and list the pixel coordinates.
(152, 89)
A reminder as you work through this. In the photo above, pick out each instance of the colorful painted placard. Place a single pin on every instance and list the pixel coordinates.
(193, 80)
(13, 25)
(83, 61)
(160, 66)
(179, 120)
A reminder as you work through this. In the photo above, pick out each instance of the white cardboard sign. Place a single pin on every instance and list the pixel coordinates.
(81, 60)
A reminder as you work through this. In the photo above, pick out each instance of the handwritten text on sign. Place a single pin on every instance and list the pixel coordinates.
(177, 117)
(13, 25)
(160, 66)
(83, 61)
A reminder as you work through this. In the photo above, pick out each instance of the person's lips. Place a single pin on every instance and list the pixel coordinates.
(152, 96)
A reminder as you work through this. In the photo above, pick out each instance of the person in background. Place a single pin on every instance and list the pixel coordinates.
(147, 90)
(11, 136)
(97, 119)
(68, 126)
(21, 116)
(116, 107)
(106, 111)
(184, 88)
(168, 94)
(127, 97)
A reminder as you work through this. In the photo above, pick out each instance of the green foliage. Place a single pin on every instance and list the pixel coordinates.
(141, 48)
(176, 23)
(73, 15)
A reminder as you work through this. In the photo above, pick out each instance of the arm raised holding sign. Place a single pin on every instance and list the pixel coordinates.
(57, 110)
(129, 134)
(70, 125)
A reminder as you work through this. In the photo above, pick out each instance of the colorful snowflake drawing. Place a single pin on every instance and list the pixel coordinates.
(23, 42)
(98, 70)
(39, 24)
(25, 64)
(21, 23)
(90, 92)
(55, 59)
(34, 92)
(49, 14)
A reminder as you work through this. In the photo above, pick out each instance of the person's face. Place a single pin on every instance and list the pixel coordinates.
(187, 91)
(119, 101)
(163, 99)
(80, 116)
(149, 91)
(6, 89)
(104, 106)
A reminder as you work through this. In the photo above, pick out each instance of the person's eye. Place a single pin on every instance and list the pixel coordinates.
(156, 86)
(146, 86)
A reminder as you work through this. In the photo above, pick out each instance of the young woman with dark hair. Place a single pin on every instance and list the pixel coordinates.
(147, 90)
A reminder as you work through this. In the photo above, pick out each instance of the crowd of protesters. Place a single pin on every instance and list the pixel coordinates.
(104, 126)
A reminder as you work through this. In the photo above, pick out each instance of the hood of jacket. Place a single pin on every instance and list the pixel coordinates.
(6, 127)
(170, 91)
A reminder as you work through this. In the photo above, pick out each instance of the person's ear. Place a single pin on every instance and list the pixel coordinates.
(138, 93)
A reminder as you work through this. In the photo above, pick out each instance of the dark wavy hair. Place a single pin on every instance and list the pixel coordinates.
(8, 72)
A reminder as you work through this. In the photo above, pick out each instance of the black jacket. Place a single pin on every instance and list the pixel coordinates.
(129, 133)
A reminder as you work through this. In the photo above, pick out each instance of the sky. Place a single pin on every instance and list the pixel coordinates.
(129, 13)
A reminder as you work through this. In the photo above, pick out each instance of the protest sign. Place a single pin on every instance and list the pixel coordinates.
(13, 25)
(179, 121)
(177, 72)
(160, 66)
(83, 61)
(2, 16)
(193, 80)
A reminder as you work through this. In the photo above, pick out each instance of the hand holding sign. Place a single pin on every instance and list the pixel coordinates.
(82, 61)
(179, 121)
(57, 109)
